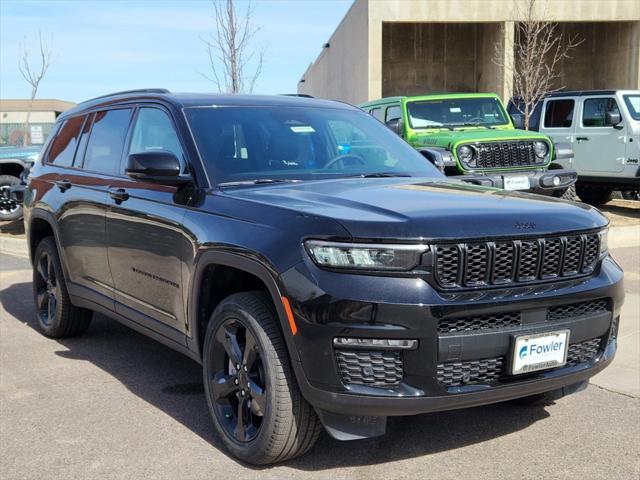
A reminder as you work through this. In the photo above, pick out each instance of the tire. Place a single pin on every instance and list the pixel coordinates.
(630, 194)
(287, 426)
(57, 317)
(9, 209)
(594, 195)
(567, 194)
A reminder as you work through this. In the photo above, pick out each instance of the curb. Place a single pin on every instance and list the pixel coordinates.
(14, 246)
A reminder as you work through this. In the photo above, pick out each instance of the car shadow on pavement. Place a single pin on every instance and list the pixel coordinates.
(13, 228)
(172, 383)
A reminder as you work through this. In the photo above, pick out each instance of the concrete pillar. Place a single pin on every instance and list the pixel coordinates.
(508, 34)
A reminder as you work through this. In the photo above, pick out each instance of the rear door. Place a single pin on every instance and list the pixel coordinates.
(84, 185)
(599, 147)
(146, 237)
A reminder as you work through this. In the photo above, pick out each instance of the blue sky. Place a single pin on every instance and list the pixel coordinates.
(103, 46)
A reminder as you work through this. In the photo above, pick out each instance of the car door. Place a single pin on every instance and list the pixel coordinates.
(599, 147)
(82, 218)
(558, 119)
(145, 234)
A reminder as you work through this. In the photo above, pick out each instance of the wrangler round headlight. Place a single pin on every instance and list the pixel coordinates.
(356, 256)
(540, 149)
(466, 154)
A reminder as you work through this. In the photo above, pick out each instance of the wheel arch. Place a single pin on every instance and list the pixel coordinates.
(42, 224)
(11, 167)
(198, 318)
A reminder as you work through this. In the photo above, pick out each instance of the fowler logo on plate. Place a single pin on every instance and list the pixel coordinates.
(538, 352)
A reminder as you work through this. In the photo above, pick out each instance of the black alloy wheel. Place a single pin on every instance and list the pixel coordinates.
(47, 291)
(238, 385)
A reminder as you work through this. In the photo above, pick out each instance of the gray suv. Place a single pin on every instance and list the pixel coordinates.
(603, 126)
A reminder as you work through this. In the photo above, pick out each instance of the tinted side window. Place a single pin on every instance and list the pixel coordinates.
(64, 145)
(559, 113)
(377, 113)
(107, 141)
(154, 131)
(393, 113)
(593, 113)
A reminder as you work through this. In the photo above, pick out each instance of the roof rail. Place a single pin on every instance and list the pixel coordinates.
(126, 92)
(303, 95)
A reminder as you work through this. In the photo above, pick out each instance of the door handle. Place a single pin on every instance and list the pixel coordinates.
(119, 195)
(63, 185)
(582, 139)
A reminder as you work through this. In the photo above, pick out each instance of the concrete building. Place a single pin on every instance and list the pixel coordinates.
(13, 115)
(383, 48)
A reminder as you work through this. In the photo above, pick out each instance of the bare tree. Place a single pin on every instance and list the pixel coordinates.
(538, 48)
(229, 49)
(33, 74)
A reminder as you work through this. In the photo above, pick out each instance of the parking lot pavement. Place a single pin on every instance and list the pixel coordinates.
(115, 404)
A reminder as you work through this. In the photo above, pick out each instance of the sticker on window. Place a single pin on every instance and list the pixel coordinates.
(455, 109)
(302, 129)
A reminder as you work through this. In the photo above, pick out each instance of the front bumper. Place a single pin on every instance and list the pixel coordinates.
(542, 182)
(330, 305)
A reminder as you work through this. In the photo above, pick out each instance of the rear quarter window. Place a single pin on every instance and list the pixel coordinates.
(64, 144)
(559, 113)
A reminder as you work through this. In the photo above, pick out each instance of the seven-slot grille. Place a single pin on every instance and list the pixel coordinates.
(507, 262)
(506, 155)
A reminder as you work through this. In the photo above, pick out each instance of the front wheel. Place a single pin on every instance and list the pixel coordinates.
(567, 194)
(9, 209)
(594, 195)
(251, 391)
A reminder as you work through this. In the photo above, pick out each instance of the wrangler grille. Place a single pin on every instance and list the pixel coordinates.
(506, 155)
(475, 264)
(490, 370)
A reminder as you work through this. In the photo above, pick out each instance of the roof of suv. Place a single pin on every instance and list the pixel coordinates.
(181, 100)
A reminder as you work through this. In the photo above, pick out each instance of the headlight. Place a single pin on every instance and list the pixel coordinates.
(353, 256)
(466, 154)
(540, 149)
(604, 242)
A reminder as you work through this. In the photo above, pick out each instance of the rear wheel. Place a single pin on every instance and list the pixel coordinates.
(251, 391)
(630, 194)
(57, 317)
(594, 195)
(9, 209)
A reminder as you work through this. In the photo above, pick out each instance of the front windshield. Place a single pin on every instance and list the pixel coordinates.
(456, 112)
(633, 104)
(299, 143)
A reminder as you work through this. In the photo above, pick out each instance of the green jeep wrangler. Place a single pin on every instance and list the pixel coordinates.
(470, 135)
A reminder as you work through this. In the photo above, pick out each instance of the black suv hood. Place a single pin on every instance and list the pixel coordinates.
(394, 208)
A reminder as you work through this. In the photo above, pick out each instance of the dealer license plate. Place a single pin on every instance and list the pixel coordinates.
(516, 183)
(539, 352)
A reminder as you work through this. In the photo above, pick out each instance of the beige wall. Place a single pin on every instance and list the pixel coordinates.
(21, 117)
(341, 73)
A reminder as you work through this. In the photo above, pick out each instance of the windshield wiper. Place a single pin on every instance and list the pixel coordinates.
(382, 175)
(469, 124)
(258, 181)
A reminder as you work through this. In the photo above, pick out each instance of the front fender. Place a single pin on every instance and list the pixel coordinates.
(241, 261)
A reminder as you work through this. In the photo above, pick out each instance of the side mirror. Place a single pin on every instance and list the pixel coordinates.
(395, 126)
(612, 119)
(518, 120)
(156, 166)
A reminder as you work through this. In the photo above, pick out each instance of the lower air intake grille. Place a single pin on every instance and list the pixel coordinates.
(490, 370)
(578, 309)
(375, 369)
(583, 352)
(479, 322)
(474, 371)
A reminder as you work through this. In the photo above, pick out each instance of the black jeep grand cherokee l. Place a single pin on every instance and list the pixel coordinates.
(320, 270)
